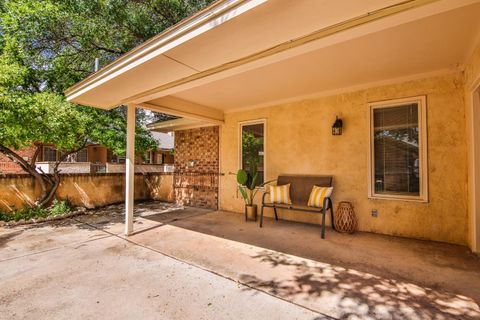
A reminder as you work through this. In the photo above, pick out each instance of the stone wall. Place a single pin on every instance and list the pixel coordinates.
(87, 190)
(197, 167)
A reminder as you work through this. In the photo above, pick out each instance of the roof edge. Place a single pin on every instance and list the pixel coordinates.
(185, 26)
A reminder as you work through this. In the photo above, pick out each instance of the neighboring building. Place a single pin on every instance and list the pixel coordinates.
(7, 166)
(94, 158)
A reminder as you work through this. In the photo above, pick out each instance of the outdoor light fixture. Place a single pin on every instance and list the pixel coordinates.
(337, 127)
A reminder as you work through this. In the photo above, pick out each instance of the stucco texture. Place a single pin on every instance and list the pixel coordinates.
(86, 190)
(472, 80)
(299, 141)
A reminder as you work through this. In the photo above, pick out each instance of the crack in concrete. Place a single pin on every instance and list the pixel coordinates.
(55, 248)
(325, 316)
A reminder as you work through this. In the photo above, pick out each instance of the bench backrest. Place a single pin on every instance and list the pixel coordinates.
(302, 185)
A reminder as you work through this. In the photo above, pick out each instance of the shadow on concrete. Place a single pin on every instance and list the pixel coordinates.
(361, 295)
(7, 237)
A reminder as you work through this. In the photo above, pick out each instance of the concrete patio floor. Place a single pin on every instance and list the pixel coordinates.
(192, 263)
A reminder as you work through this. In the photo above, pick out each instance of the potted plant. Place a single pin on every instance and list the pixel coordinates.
(247, 179)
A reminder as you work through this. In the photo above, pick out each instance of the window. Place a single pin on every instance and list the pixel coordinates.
(252, 147)
(82, 155)
(148, 157)
(159, 158)
(49, 154)
(113, 158)
(398, 155)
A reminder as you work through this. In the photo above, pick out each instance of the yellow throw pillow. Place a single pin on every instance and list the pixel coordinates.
(280, 194)
(318, 194)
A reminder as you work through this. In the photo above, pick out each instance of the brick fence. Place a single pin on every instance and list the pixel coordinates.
(87, 190)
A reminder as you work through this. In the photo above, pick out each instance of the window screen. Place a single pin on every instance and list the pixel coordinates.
(49, 154)
(82, 155)
(396, 154)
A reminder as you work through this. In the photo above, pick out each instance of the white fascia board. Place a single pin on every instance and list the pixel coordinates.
(221, 13)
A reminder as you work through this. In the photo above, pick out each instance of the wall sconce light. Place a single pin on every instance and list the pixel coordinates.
(337, 127)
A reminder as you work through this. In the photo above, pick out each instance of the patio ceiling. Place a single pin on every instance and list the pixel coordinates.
(240, 54)
(436, 44)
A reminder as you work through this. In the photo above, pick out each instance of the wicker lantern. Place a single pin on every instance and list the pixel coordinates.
(345, 218)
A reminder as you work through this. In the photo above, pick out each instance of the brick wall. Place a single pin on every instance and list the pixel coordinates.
(196, 167)
(7, 166)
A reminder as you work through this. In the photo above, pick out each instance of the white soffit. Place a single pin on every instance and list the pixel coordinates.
(228, 30)
(177, 124)
(100, 89)
(431, 45)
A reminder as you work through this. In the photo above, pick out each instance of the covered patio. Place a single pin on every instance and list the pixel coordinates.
(292, 67)
(287, 69)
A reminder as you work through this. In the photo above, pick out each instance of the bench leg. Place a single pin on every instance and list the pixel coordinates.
(331, 215)
(261, 217)
(275, 210)
(324, 211)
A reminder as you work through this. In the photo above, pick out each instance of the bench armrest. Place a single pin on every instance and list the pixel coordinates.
(263, 197)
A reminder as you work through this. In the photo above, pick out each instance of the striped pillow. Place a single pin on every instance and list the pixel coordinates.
(280, 194)
(317, 195)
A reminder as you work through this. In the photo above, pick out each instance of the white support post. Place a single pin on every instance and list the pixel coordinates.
(130, 170)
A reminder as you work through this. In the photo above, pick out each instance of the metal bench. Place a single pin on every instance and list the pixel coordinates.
(300, 188)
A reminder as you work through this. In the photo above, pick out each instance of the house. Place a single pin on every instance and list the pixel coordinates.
(95, 158)
(408, 71)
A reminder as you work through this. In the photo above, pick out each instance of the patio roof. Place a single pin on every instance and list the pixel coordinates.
(220, 59)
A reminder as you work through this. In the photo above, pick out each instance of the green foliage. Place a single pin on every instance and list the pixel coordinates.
(48, 45)
(60, 39)
(57, 208)
(251, 147)
(242, 177)
(247, 181)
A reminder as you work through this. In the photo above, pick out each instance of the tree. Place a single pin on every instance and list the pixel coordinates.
(48, 45)
(46, 118)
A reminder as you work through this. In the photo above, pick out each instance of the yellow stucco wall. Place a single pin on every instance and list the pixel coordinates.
(299, 140)
(86, 190)
(472, 80)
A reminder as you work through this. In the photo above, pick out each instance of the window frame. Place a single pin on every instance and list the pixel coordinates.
(241, 124)
(149, 160)
(49, 147)
(421, 101)
(86, 155)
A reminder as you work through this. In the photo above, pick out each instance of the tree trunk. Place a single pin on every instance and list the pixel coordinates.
(30, 169)
(55, 179)
(49, 184)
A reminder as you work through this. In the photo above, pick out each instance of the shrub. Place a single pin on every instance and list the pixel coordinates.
(57, 208)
